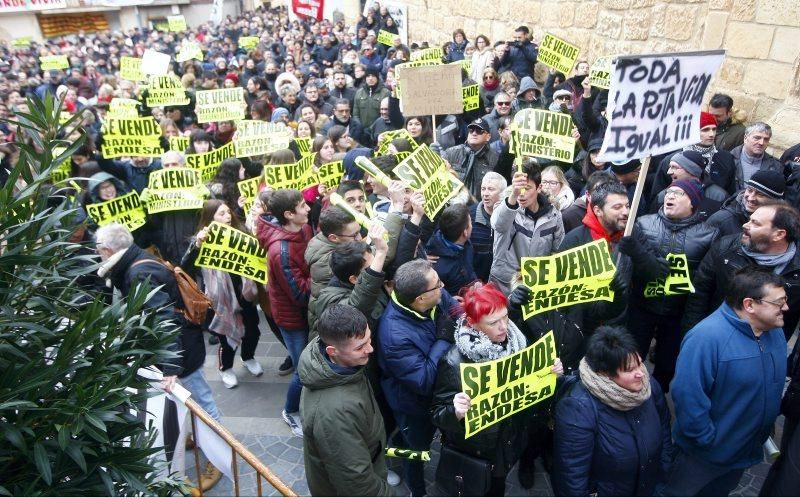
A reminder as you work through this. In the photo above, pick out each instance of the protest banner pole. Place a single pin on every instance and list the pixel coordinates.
(433, 126)
(637, 195)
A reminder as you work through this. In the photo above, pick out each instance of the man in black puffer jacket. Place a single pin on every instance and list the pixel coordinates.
(763, 188)
(656, 306)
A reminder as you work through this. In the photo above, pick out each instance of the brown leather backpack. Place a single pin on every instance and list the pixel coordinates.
(195, 302)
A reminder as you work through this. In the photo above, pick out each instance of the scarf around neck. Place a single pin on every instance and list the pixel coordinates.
(609, 393)
(775, 261)
(477, 347)
(707, 152)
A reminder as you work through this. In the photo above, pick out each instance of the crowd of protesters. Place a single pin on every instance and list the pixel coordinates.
(377, 319)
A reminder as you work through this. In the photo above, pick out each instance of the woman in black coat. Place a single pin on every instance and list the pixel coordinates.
(612, 429)
(484, 333)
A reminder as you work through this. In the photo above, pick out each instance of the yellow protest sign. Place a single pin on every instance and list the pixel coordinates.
(260, 137)
(248, 42)
(297, 176)
(22, 42)
(208, 163)
(226, 104)
(174, 189)
(434, 53)
(471, 95)
(542, 133)
(126, 210)
(303, 146)
(501, 388)
(248, 189)
(164, 91)
(581, 274)
(161, 26)
(48, 62)
(123, 108)
(387, 137)
(600, 72)
(677, 282)
(230, 250)
(178, 143)
(135, 137)
(558, 54)
(330, 174)
(425, 171)
(386, 38)
(130, 68)
(176, 24)
(188, 51)
(64, 170)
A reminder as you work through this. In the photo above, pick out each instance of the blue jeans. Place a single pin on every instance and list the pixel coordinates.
(295, 341)
(417, 432)
(201, 392)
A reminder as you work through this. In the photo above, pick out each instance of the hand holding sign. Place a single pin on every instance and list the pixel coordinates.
(461, 403)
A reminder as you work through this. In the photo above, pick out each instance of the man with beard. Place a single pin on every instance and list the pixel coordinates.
(768, 240)
(763, 188)
(730, 133)
(341, 116)
(368, 98)
(340, 88)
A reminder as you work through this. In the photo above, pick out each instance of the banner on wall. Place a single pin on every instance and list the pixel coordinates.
(23, 5)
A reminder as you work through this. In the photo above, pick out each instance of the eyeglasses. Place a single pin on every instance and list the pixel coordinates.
(502, 104)
(676, 192)
(438, 286)
(777, 303)
(551, 182)
(354, 236)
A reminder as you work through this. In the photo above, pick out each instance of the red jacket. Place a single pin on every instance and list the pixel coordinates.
(289, 276)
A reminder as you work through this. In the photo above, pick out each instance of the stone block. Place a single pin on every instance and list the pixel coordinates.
(586, 14)
(566, 14)
(638, 4)
(720, 4)
(609, 25)
(680, 21)
(743, 10)
(767, 108)
(551, 15)
(771, 79)
(730, 72)
(785, 45)
(658, 16)
(617, 4)
(482, 27)
(748, 40)
(780, 12)
(785, 127)
(714, 30)
(636, 24)
(501, 31)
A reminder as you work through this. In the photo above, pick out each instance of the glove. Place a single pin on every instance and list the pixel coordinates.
(436, 148)
(631, 247)
(519, 296)
(445, 328)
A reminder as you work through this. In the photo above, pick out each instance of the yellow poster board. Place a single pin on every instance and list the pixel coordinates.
(174, 189)
(558, 54)
(209, 162)
(130, 68)
(22, 42)
(260, 137)
(330, 174)
(433, 53)
(386, 38)
(233, 251)
(543, 133)
(578, 275)
(126, 210)
(188, 51)
(166, 91)
(298, 176)
(178, 143)
(226, 104)
(248, 42)
(48, 62)
(471, 95)
(425, 171)
(501, 388)
(134, 137)
(600, 72)
(176, 24)
(248, 189)
(677, 282)
(387, 137)
(123, 108)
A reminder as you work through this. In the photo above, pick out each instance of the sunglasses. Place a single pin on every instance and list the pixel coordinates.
(488, 76)
(503, 104)
(477, 131)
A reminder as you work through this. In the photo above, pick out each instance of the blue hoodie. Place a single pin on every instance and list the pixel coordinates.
(727, 389)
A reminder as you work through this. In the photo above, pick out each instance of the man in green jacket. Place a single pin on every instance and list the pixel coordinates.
(343, 432)
(367, 102)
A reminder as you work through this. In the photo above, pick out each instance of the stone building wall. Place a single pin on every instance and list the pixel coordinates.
(761, 70)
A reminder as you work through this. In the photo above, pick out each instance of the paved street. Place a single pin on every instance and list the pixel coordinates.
(252, 412)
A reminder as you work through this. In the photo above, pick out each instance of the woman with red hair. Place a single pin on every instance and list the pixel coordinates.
(483, 333)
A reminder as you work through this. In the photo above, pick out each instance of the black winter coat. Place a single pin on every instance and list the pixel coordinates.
(189, 338)
(715, 273)
(730, 218)
(689, 236)
(501, 443)
(610, 452)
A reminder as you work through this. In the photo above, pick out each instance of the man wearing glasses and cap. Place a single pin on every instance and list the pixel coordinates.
(473, 159)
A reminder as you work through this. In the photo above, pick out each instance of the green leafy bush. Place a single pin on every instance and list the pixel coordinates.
(69, 393)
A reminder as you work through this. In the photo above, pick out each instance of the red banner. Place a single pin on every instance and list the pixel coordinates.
(308, 8)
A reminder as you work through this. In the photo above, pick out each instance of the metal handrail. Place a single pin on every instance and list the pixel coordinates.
(236, 448)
